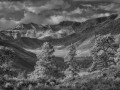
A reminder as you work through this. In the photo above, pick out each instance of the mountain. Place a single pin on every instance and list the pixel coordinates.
(67, 32)
(83, 37)
(28, 26)
(5, 37)
(63, 24)
(83, 32)
(31, 30)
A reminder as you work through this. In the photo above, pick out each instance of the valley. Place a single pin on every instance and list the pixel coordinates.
(82, 35)
(59, 44)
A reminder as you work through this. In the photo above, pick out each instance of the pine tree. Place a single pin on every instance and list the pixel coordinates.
(103, 51)
(45, 67)
(71, 62)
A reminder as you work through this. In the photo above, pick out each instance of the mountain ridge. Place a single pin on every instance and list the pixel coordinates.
(82, 32)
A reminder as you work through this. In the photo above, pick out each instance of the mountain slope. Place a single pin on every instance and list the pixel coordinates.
(83, 38)
(25, 59)
(83, 32)
(26, 26)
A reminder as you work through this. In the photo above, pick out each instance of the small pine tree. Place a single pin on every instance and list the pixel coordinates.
(103, 51)
(70, 60)
(45, 67)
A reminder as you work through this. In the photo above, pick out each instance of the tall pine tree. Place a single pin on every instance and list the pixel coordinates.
(71, 62)
(103, 52)
(45, 67)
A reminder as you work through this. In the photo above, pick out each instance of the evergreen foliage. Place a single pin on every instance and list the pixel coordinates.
(46, 65)
(7, 58)
(71, 61)
(103, 51)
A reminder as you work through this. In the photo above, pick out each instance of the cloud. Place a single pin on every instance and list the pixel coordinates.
(57, 19)
(77, 11)
(52, 4)
(40, 19)
(31, 17)
(52, 11)
(109, 7)
(11, 10)
(100, 15)
(73, 12)
(12, 6)
(116, 1)
(35, 18)
(11, 15)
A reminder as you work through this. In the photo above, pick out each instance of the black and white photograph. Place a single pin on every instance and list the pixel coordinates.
(59, 44)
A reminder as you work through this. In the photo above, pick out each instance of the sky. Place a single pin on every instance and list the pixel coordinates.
(13, 12)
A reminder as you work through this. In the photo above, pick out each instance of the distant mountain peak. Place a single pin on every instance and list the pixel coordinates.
(28, 26)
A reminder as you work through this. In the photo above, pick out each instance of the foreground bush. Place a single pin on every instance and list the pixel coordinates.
(78, 83)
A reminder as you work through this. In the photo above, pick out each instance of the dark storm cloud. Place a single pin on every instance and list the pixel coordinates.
(13, 12)
(43, 14)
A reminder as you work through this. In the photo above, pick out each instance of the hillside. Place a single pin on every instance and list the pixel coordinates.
(83, 38)
(25, 60)
(26, 26)
(83, 32)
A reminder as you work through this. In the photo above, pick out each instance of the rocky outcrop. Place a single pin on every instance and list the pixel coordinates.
(28, 26)
(32, 30)
(22, 30)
